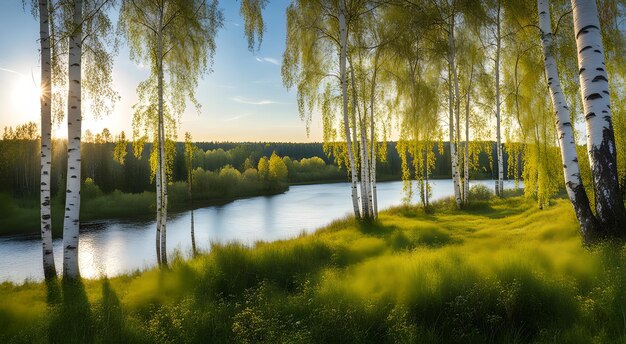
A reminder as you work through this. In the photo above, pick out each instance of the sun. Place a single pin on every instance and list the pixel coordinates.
(25, 99)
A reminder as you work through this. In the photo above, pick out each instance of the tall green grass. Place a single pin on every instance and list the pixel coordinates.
(500, 271)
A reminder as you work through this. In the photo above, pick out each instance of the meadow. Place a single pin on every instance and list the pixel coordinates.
(499, 271)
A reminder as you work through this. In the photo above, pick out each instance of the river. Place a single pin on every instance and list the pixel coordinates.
(117, 246)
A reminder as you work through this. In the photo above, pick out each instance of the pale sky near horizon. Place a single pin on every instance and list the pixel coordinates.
(242, 100)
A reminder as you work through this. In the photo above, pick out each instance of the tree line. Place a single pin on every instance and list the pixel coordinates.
(112, 167)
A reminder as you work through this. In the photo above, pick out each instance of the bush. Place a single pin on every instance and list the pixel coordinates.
(229, 179)
(90, 190)
(480, 192)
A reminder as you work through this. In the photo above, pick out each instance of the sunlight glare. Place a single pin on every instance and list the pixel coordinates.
(25, 99)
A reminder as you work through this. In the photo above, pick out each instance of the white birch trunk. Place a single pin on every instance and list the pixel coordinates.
(373, 175)
(594, 87)
(426, 182)
(343, 33)
(367, 193)
(457, 115)
(453, 95)
(49, 267)
(158, 204)
(164, 194)
(571, 171)
(71, 221)
(500, 182)
(159, 173)
(363, 166)
(193, 232)
(162, 216)
(373, 196)
(466, 158)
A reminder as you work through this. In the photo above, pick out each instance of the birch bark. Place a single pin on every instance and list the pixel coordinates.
(363, 166)
(500, 182)
(466, 158)
(594, 87)
(161, 155)
(373, 196)
(49, 267)
(453, 78)
(343, 33)
(72, 200)
(571, 171)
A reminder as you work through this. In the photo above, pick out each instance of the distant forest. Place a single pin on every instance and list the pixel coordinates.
(20, 171)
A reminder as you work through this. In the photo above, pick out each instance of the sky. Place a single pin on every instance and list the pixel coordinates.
(243, 99)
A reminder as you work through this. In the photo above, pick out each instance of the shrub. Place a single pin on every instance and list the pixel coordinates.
(90, 190)
(480, 192)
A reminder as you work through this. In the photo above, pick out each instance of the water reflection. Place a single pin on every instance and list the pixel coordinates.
(109, 248)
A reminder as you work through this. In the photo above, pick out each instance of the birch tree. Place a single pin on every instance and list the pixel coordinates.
(190, 150)
(41, 9)
(447, 15)
(414, 72)
(315, 62)
(573, 183)
(498, 38)
(90, 46)
(594, 88)
(176, 38)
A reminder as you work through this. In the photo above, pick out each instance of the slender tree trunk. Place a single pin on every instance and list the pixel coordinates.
(358, 118)
(573, 182)
(162, 160)
(193, 233)
(49, 267)
(365, 189)
(457, 109)
(453, 95)
(159, 173)
(164, 185)
(373, 195)
(159, 203)
(466, 158)
(500, 182)
(594, 87)
(426, 182)
(343, 33)
(71, 221)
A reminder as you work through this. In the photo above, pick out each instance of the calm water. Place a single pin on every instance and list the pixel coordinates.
(109, 248)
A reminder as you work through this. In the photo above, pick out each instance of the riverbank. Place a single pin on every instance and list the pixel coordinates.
(21, 216)
(499, 271)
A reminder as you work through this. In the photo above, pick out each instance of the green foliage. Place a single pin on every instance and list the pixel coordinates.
(119, 153)
(264, 168)
(277, 171)
(89, 190)
(480, 192)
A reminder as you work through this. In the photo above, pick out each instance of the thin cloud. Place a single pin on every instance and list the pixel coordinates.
(285, 126)
(234, 118)
(12, 71)
(268, 60)
(227, 87)
(243, 100)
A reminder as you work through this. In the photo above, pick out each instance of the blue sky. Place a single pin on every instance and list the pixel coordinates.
(242, 100)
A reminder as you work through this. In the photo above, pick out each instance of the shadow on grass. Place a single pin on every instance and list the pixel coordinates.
(109, 316)
(71, 320)
(54, 295)
(375, 228)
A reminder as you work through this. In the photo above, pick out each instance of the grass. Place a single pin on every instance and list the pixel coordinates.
(499, 271)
